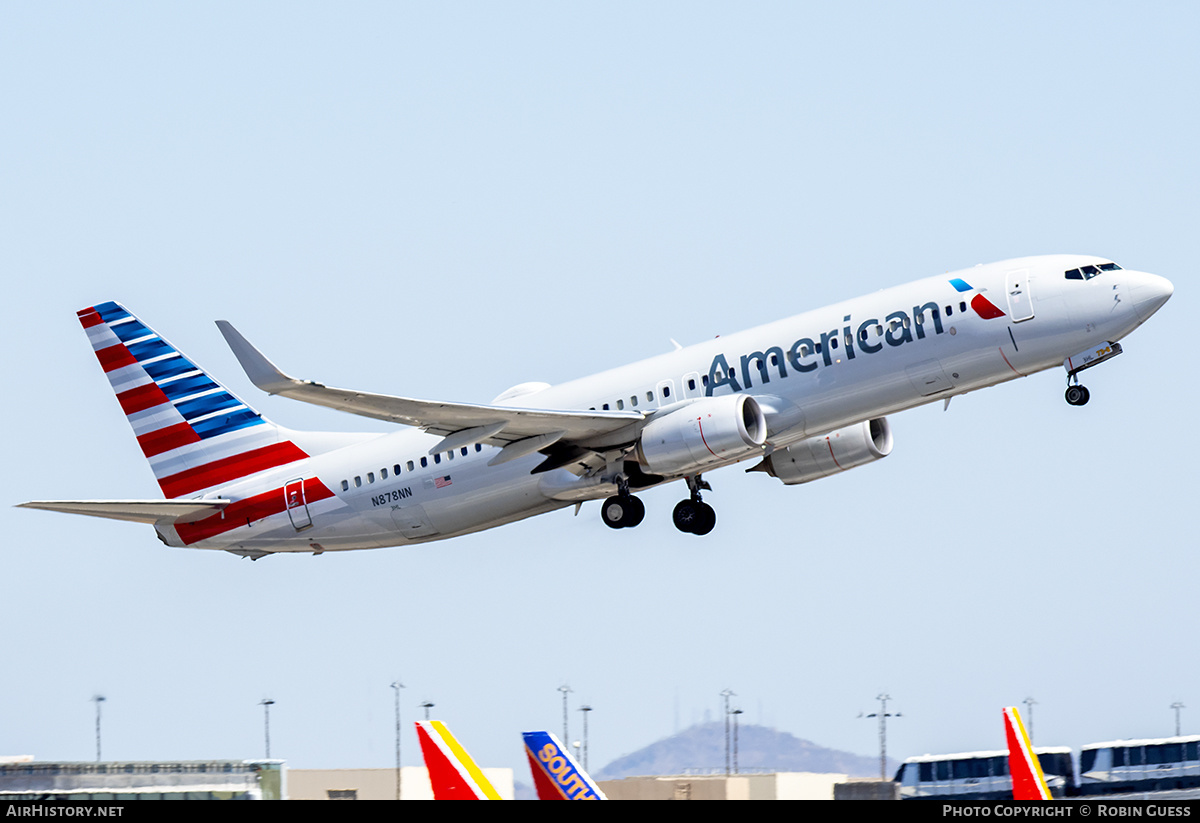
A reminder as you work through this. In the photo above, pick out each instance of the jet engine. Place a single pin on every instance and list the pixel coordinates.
(703, 434)
(830, 454)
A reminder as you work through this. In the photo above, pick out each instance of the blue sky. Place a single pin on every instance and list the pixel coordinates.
(444, 200)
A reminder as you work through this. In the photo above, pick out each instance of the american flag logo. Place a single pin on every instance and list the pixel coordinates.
(441, 482)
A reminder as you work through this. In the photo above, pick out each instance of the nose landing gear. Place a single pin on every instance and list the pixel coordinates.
(1078, 395)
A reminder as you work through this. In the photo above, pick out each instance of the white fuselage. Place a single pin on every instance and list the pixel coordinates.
(813, 373)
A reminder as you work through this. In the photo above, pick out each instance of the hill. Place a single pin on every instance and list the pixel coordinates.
(701, 749)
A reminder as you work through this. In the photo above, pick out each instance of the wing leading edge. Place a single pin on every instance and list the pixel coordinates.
(520, 431)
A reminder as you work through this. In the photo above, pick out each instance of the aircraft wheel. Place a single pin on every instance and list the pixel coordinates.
(1078, 395)
(693, 517)
(706, 519)
(622, 511)
(635, 512)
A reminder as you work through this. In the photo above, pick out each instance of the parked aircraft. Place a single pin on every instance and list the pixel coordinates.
(1028, 781)
(453, 774)
(805, 397)
(556, 774)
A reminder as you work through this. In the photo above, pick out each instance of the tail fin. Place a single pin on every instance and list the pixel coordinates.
(195, 432)
(452, 772)
(555, 773)
(1028, 781)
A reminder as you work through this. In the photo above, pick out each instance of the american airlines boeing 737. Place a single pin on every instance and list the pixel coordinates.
(805, 397)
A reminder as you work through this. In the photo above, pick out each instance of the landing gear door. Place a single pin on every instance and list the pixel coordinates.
(1020, 300)
(297, 506)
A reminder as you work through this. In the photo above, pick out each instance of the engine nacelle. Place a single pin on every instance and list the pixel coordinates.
(703, 434)
(833, 453)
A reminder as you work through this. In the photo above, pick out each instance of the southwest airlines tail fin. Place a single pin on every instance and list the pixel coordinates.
(555, 773)
(1028, 781)
(452, 772)
(195, 432)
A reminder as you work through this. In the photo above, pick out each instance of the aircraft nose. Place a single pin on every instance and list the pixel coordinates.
(1149, 292)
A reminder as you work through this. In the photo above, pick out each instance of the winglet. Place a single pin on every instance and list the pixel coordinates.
(452, 772)
(261, 371)
(555, 773)
(1028, 781)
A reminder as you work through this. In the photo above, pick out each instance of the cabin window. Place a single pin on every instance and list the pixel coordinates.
(410, 465)
(666, 391)
(437, 458)
(450, 454)
(691, 384)
(424, 462)
(370, 477)
(464, 451)
(620, 405)
(633, 400)
(478, 447)
(649, 397)
(357, 481)
(383, 474)
(962, 306)
(396, 469)
(345, 485)
(605, 407)
(949, 310)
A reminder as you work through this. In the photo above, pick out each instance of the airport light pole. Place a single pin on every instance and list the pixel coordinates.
(735, 714)
(267, 703)
(1029, 704)
(586, 710)
(1176, 706)
(565, 689)
(883, 715)
(727, 693)
(98, 699)
(397, 686)
(427, 705)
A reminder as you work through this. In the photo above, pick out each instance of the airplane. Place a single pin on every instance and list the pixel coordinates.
(1028, 781)
(556, 775)
(453, 775)
(806, 397)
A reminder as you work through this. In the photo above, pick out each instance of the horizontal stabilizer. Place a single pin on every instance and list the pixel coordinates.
(498, 425)
(136, 511)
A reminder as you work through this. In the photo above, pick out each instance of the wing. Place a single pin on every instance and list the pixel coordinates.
(519, 431)
(136, 511)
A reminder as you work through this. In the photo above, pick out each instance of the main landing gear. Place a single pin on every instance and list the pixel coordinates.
(694, 516)
(622, 511)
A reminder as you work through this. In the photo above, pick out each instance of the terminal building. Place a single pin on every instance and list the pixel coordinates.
(26, 779)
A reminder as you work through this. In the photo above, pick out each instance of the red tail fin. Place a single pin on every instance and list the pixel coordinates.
(1028, 781)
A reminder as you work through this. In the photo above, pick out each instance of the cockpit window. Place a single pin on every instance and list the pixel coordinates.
(1088, 272)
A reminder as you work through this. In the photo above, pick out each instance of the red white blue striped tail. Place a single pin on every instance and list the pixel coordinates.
(196, 434)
